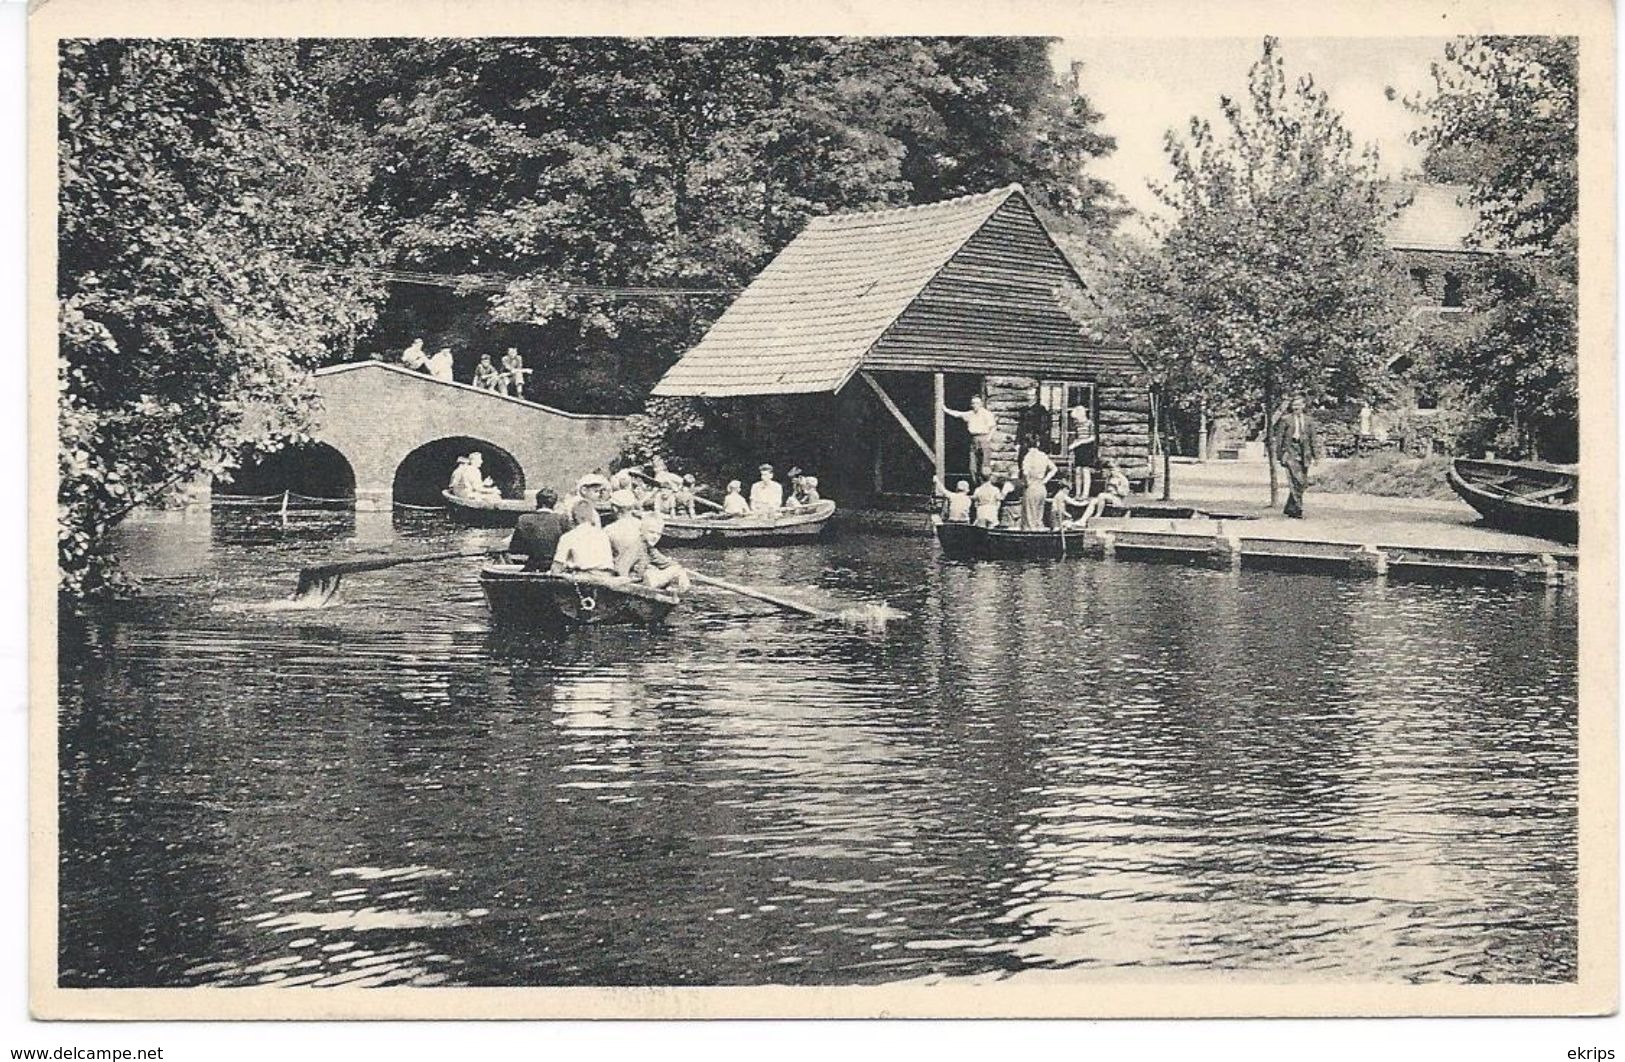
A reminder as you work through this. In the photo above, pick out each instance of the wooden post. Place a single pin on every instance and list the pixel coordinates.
(938, 429)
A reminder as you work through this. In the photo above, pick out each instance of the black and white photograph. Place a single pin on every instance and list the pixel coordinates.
(936, 516)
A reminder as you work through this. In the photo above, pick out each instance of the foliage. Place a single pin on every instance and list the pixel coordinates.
(1387, 474)
(1503, 119)
(680, 163)
(1273, 275)
(191, 201)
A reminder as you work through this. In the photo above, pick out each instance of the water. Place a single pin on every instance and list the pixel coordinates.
(1077, 770)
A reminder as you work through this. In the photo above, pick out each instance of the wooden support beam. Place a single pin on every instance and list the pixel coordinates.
(939, 397)
(891, 407)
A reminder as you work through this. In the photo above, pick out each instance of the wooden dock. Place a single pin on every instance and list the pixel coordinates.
(1416, 551)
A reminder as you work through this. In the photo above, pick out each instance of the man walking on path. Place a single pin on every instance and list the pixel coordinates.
(1297, 447)
(980, 422)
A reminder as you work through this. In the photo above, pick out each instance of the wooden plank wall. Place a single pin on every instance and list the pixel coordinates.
(1124, 427)
(993, 308)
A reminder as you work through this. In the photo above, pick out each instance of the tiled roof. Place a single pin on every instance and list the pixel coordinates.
(1432, 217)
(805, 323)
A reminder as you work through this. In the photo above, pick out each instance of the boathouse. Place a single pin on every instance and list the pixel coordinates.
(874, 320)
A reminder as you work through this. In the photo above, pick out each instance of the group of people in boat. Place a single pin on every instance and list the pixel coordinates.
(510, 378)
(567, 536)
(767, 493)
(1068, 507)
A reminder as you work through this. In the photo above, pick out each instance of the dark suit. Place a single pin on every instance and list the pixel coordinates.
(1297, 445)
(537, 537)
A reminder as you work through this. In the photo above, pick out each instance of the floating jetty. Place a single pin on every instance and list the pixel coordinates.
(1237, 544)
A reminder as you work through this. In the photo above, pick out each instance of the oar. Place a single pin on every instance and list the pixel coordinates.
(762, 595)
(319, 582)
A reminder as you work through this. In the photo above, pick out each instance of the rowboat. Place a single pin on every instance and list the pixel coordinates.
(970, 542)
(498, 512)
(540, 599)
(800, 524)
(1530, 499)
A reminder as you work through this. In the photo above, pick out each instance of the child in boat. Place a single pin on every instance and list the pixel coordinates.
(809, 491)
(656, 570)
(957, 504)
(686, 495)
(988, 498)
(1059, 516)
(734, 503)
(467, 482)
(585, 548)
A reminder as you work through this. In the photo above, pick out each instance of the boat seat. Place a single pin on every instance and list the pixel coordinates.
(1542, 495)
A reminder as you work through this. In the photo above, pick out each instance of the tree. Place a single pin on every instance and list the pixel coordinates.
(1272, 275)
(193, 206)
(683, 163)
(1503, 119)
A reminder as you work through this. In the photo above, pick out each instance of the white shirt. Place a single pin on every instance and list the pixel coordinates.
(585, 548)
(766, 496)
(735, 505)
(978, 421)
(1036, 466)
(466, 481)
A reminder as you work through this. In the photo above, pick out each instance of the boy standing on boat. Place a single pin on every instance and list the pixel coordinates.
(988, 499)
(1297, 447)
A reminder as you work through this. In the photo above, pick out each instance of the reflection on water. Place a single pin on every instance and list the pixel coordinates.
(1092, 770)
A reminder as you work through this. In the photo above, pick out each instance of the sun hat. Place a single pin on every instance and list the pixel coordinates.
(623, 499)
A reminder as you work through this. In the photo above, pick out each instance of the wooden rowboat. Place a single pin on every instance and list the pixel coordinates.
(540, 599)
(499, 512)
(1526, 498)
(802, 524)
(969, 542)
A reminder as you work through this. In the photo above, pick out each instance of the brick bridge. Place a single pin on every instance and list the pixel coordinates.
(393, 435)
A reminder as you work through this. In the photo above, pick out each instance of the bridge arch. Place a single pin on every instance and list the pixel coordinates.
(424, 472)
(380, 416)
(313, 469)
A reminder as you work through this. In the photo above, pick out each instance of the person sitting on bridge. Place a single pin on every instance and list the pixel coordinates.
(585, 548)
(734, 503)
(513, 373)
(414, 358)
(654, 568)
(766, 495)
(485, 374)
(537, 534)
(440, 365)
(626, 531)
